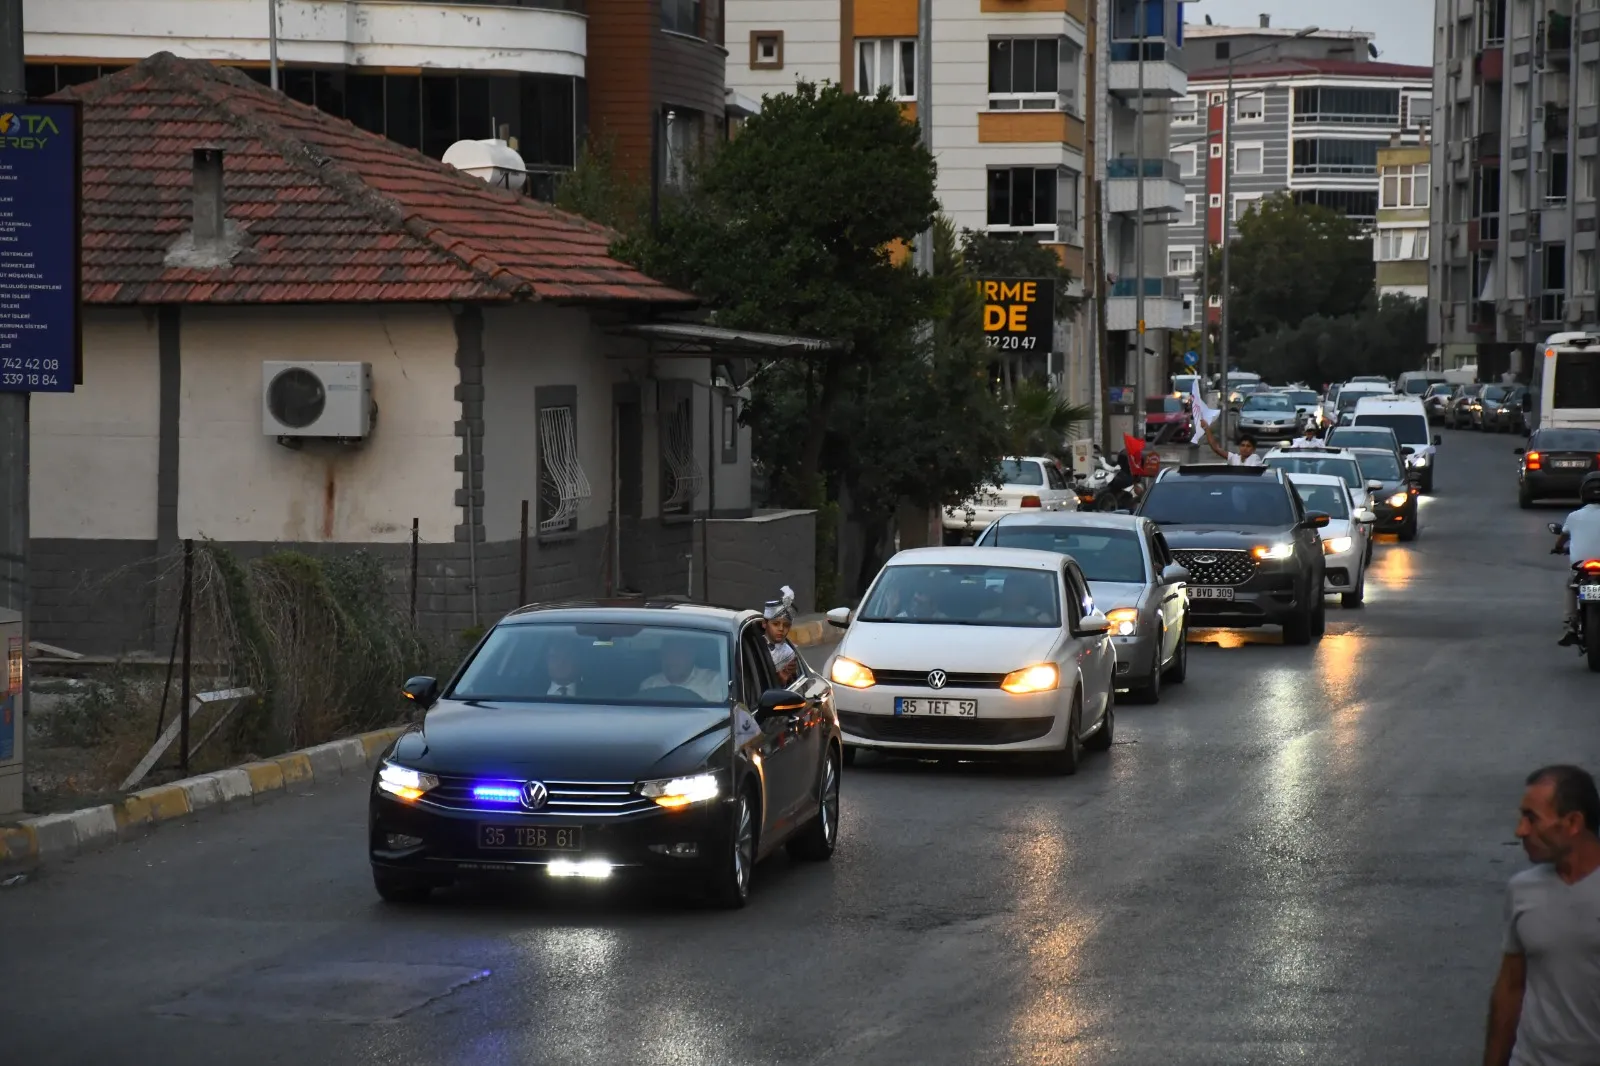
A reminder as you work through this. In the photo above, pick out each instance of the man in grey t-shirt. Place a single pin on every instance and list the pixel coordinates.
(1545, 1009)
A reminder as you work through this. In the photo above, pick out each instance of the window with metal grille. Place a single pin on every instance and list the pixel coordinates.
(681, 473)
(563, 487)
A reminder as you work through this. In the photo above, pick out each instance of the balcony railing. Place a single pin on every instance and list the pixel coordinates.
(1153, 168)
(1157, 288)
(1486, 145)
(1155, 51)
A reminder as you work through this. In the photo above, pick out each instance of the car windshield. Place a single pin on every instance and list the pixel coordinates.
(1355, 437)
(1268, 402)
(1102, 554)
(1411, 429)
(931, 594)
(1021, 472)
(1381, 465)
(1340, 466)
(1492, 392)
(1350, 397)
(1418, 386)
(1216, 502)
(1303, 397)
(1566, 440)
(598, 662)
(1329, 499)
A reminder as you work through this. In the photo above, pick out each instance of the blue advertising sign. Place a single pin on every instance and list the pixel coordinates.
(1190, 358)
(41, 338)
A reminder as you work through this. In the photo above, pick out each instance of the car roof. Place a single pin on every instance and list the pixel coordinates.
(1315, 479)
(1022, 558)
(1072, 520)
(1389, 400)
(1227, 470)
(1325, 452)
(637, 611)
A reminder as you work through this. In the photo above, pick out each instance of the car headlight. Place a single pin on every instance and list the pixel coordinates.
(1419, 460)
(404, 782)
(1040, 678)
(1124, 620)
(1399, 499)
(1336, 545)
(1273, 551)
(851, 673)
(672, 792)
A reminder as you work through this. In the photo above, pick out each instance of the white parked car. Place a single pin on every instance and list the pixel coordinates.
(1346, 539)
(968, 650)
(1024, 483)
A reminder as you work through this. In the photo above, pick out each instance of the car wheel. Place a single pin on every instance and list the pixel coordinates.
(815, 842)
(1319, 617)
(1065, 762)
(1427, 482)
(1297, 630)
(1179, 670)
(1358, 596)
(728, 885)
(1524, 497)
(1150, 691)
(397, 886)
(1101, 741)
(1408, 532)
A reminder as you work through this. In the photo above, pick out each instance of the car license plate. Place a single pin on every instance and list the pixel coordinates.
(1210, 592)
(1570, 464)
(529, 837)
(937, 708)
(1589, 593)
(994, 501)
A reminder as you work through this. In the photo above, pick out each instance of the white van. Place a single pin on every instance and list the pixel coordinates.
(1416, 382)
(1409, 420)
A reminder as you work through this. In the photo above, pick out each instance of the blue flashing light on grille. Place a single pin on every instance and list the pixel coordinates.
(497, 793)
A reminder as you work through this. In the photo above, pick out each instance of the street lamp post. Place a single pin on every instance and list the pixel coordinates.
(1142, 13)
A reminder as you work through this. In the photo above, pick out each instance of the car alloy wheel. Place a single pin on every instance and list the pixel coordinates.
(1180, 661)
(729, 884)
(1066, 761)
(816, 840)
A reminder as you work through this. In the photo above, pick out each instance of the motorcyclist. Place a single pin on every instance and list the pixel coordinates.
(1580, 539)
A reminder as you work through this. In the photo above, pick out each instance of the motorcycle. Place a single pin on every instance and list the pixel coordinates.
(1094, 488)
(1585, 584)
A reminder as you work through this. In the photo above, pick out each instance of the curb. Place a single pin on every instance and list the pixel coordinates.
(56, 836)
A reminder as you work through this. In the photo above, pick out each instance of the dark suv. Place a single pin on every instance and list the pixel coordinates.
(1251, 548)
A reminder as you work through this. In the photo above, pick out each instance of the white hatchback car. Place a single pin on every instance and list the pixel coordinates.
(1346, 539)
(992, 650)
(1023, 483)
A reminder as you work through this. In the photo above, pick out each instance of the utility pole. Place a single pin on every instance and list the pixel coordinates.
(924, 66)
(1143, 13)
(272, 41)
(1204, 210)
(14, 415)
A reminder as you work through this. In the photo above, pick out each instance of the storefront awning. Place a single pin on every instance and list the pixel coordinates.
(690, 339)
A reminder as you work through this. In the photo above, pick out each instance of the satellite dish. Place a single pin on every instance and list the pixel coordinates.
(494, 161)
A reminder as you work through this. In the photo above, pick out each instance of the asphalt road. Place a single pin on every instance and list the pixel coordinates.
(1297, 857)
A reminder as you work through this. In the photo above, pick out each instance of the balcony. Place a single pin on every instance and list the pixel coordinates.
(1163, 186)
(1491, 64)
(1163, 304)
(1486, 146)
(1558, 40)
(1164, 75)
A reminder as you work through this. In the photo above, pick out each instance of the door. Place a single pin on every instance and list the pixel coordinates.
(1094, 656)
(1059, 495)
(1173, 599)
(785, 770)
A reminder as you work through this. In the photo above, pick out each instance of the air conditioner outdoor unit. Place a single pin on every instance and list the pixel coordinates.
(330, 401)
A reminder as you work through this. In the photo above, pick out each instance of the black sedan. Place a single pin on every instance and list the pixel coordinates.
(592, 740)
(1554, 462)
(1395, 501)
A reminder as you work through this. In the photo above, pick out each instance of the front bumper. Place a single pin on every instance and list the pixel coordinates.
(1343, 569)
(1287, 432)
(450, 847)
(1268, 599)
(1391, 518)
(1004, 723)
(1135, 656)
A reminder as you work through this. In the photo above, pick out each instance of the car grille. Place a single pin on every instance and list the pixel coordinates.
(1230, 566)
(919, 679)
(580, 799)
(919, 730)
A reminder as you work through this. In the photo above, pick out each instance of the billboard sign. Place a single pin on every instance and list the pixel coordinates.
(1019, 313)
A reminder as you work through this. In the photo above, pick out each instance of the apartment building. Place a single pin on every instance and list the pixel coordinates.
(1309, 116)
(426, 73)
(1513, 174)
(1400, 240)
(1035, 106)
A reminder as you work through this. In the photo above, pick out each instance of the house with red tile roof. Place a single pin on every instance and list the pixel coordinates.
(298, 333)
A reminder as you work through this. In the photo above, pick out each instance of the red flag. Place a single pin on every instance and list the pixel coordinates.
(1136, 460)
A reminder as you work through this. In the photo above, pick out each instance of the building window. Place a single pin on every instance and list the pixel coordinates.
(1215, 200)
(1216, 151)
(1249, 159)
(1329, 156)
(681, 16)
(1589, 84)
(685, 136)
(1185, 111)
(1360, 205)
(766, 49)
(1032, 73)
(681, 473)
(1553, 298)
(1517, 200)
(1244, 203)
(1180, 262)
(1416, 112)
(887, 63)
(1348, 107)
(1555, 188)
(1191, 211)
(1189, 315)
(1185, 159)
(1023, 197)
(562, 485)
(1250, 107)
(1405, 186)
(1401, 244)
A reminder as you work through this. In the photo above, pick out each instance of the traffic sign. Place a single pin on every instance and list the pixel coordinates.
(1190, 359)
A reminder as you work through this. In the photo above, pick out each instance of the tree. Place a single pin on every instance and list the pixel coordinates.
(1386, 336)
(1291, 261)
(598, 191)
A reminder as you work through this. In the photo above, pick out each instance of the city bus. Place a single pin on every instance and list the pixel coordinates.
(1569, 381)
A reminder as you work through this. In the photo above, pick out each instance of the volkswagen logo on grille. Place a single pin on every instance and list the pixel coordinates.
(1205, 560)
(938, 679)
(534, 795)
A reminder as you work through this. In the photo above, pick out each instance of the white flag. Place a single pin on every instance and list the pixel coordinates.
(1200, 411)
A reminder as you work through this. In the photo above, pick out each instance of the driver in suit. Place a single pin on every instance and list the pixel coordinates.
(561, 663)
(678, 670)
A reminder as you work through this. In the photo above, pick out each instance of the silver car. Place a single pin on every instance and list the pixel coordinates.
(1270, 415)
(1133, 579)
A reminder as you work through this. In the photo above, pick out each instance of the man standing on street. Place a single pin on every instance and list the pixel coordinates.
(1545, 1009)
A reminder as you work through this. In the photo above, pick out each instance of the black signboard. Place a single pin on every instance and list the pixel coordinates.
(1019, 313)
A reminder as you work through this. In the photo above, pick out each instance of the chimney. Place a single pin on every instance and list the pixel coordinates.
(1266, 22)
(210, 204)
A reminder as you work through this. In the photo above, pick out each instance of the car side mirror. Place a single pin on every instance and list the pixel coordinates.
(1554, 527)
(1408, 449)
(1437, 440)
(1314, 520)
(1365, 515)
(1519, 451)
(422, 690)
(1173, 573)
(1094, 624)
(1375, 485)
(839, 617)
(780, 701)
